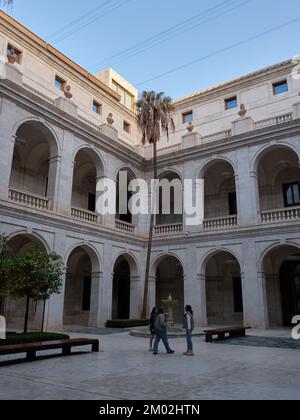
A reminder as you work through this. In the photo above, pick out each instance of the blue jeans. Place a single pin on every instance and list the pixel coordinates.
(161, 335)
(189, 334)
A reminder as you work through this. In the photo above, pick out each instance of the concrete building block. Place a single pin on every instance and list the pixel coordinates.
(243, 125)
(67, 106)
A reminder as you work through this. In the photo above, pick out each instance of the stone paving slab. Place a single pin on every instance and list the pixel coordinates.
(124, 369)
(270, 342)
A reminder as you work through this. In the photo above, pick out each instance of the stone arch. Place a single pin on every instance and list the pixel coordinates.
(125, 282)
(280, 270)
(18, 243)
(222, 270)
(264, 150)
(169, 273)
(95, 157)
(211, 162)
(81, 297)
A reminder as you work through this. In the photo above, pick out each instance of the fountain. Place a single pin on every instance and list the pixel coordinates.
(170, 303)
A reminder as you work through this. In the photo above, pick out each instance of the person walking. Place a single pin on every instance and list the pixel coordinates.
(189, 325)
(153, 316)
(161, 328)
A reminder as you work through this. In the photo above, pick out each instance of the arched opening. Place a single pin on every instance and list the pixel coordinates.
(170, 207)
(123, 213)
(220, 191)
(170, 281)
(281, 269)
(14, 310)
(224, 292)
(32, 180)
(87, 169)
(82, 264)
(278, 179)
(121, 289)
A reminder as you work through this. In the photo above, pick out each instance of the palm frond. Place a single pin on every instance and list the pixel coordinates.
(154, 116)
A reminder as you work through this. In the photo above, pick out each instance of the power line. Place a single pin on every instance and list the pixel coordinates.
(79, 19)
(237, 44)
(169, 33)
(93, 19)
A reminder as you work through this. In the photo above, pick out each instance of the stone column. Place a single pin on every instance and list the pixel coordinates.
(247, 192)
(200, 303)
(96, 291)
(65, 187)
(135, 297)
(254, 291)
(54, 313)
(53, 181)
(6, 158)
(152, 293)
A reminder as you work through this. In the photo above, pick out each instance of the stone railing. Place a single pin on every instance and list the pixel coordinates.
(173, 229)
(85, 215)
(280, 119)
(280, 215)
(125, 227)
(216, 136)
(27, 199)
(220, 223)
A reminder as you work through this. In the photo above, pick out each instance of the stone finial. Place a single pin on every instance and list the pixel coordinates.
(190, 127)
(242, 111)
(110, 119)
(12, 56)
(67, 92)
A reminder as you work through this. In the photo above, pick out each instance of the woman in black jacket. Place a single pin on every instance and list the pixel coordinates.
(152, 327)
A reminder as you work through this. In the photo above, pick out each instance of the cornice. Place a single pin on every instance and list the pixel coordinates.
(40, 107)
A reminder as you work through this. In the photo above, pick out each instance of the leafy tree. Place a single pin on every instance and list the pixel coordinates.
(36, 275)
(153, 119)
(5, 267)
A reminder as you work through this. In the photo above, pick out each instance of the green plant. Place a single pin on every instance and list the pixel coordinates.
(35, 275)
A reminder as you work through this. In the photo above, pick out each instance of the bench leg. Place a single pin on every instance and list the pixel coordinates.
(66, 351)
(95, 347)
(221, 336)
(30, 356)
(208, 338)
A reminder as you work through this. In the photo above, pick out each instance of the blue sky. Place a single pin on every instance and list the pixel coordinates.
(121, 24)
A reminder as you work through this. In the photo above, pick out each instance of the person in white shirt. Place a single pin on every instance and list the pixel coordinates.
(188, 325)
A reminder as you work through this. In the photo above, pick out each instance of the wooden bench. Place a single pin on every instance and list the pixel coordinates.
(222, 332)
(32, 348)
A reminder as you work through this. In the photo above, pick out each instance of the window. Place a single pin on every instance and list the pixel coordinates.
(86, 295)
(97, 108)
(238, 295)
(291, 194)
(187, 117)
(231, 103)
(59, 83)
(280, 87)
(127, 127)
(126, 98)
(15, 53)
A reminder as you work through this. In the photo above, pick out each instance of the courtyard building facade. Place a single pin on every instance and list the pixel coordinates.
(63, 130)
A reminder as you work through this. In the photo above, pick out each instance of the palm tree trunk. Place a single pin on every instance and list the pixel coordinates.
(150, 240)
(26, 315)
(43, 318)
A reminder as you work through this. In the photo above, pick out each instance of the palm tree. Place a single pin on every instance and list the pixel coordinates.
(153, 119)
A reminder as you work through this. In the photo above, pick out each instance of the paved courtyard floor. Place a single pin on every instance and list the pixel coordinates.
(124, 369)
